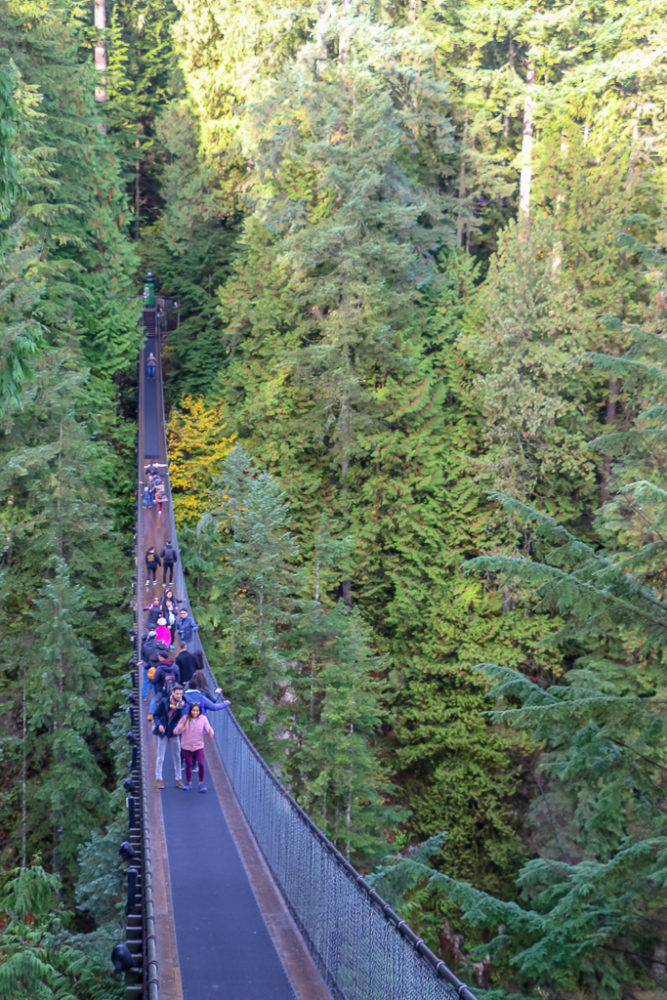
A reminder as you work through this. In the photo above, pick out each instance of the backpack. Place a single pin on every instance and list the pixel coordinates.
(168, 685)
(169, 554)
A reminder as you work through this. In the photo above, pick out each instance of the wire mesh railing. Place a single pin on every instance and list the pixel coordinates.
(363, 950)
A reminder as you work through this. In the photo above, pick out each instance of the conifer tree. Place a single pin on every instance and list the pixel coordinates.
(533, 402)
(259, 581)
(191, 248)
(70, 258)
(334, 763)
(39, 957)
(142, 76)
(592, 902)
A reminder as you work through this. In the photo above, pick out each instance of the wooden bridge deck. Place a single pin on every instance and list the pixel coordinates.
(222, 928)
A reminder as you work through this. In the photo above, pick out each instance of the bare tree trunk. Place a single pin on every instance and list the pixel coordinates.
(462, 181)
(609, 419)
(347, 584)
(348, 806)
(527, 145)
(137, 191)
(24, 773)
(557, 253)
(100, 56)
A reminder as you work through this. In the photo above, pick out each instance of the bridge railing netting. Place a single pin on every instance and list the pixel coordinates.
(361, 947)
(352, 935)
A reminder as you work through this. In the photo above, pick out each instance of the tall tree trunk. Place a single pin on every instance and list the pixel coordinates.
(462, 181)
(609, 419)
(347, 584)
(137, 191)
(24, 772)
(348, 805)
(527, 145)
(100, 55)
(557, 254)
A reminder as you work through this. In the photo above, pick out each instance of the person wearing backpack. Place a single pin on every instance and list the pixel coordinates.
(153, 563)
(166, 677)
(169, 557)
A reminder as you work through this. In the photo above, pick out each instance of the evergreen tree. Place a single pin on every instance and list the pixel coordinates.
(535, 405)
(39, 956)
(66, 300)
(592, 902)
(333, 752)
(19, 334)
(142, 76)
(259, 581)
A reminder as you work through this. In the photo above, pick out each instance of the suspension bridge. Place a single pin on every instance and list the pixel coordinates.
(237, 893)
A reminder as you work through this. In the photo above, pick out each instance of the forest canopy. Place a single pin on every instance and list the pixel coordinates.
(415, 371)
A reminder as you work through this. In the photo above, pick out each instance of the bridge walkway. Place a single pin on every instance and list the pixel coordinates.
(222, 928)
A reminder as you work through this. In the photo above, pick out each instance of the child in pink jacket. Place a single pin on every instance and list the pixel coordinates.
(163, 632)
(191, 729)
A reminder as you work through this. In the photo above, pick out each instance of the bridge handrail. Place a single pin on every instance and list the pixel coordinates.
(376, 956)
(291, 856)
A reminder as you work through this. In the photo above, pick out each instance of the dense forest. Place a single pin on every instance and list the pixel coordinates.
(416, 379)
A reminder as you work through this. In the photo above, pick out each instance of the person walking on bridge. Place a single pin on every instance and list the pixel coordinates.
(191, 728)
(169, 557)
(185, 627)
(153, 564)
(187, 663)
(167, 717)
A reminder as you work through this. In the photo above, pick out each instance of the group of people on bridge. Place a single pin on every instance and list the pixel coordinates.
(153, 492)
(178, 689)
(177, 685)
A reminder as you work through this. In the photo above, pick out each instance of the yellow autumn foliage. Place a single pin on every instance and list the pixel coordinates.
(197, 446)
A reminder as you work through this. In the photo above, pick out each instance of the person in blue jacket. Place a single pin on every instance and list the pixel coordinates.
(193, 696)
(185, 626)
(167, 716)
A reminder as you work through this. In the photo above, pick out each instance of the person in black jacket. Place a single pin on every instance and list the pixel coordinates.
(187, 663)
(153, 563)
(167, 715)
(169, 556)
(166, 677)
(154, 612)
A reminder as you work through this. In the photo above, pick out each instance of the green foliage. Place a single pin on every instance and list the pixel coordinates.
(589, 928)
(9, 174)
(101, 883)
(141, 77)
(68, 339)
(538, 412)
(333, 761)
(190, 248)
(257, 577)
(39, 958)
